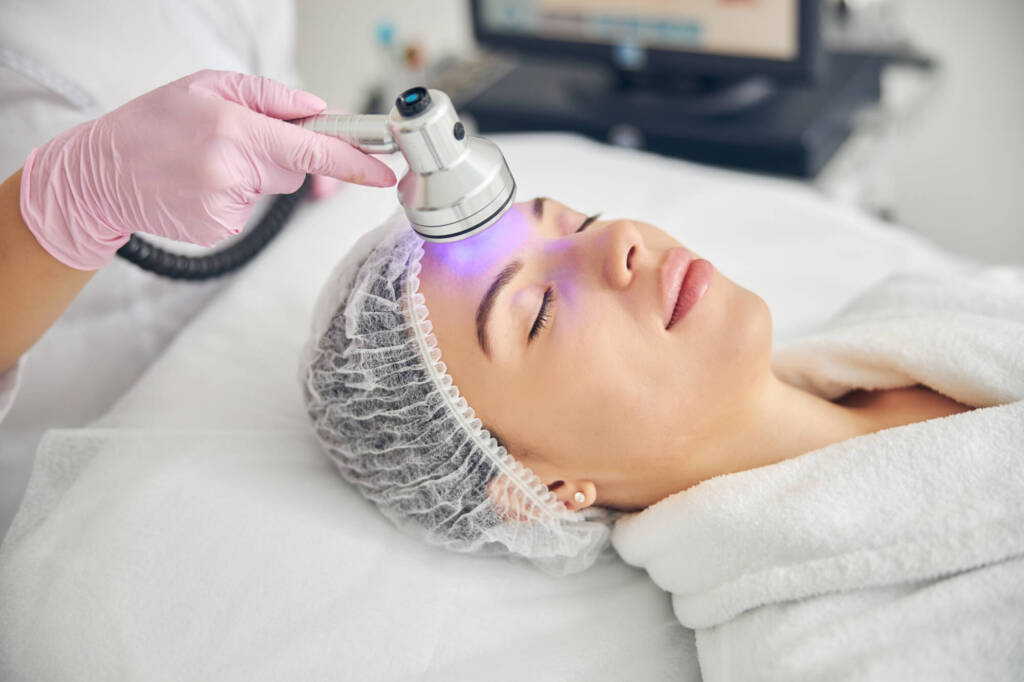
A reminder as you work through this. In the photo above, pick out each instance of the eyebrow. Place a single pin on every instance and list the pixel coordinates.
(483, 312)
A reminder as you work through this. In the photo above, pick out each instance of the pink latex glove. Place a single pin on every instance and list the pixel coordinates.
(323, 187)
(187, 161)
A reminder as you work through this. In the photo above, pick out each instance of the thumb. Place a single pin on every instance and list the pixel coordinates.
(262, 95)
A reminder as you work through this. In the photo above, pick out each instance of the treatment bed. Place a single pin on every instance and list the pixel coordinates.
(196, 531)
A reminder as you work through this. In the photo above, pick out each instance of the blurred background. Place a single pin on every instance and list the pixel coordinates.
(908, 109)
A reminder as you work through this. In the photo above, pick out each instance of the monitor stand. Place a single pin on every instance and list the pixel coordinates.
(789, 130)
(697, 95)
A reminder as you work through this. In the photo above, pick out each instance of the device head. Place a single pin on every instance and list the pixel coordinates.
(457, 185)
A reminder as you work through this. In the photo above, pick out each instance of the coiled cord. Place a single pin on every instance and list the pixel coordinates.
(177, 266)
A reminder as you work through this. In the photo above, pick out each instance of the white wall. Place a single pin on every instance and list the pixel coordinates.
(959, 175)
(336, 47)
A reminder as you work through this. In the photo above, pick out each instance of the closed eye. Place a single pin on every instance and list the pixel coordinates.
(549, 293)
(542, 314)
(586, 223)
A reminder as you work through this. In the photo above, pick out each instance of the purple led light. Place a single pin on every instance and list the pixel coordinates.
(491, 246)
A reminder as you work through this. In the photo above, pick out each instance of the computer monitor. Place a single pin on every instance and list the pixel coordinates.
(725, 39)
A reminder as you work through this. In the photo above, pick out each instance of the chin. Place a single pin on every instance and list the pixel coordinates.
(757, 329)
(747, 329)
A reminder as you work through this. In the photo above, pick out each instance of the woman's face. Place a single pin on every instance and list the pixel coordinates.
(554, 328)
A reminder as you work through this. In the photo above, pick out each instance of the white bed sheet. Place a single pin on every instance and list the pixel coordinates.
(219, 543)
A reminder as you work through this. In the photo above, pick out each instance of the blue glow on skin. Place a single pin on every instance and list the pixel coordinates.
(494, 246)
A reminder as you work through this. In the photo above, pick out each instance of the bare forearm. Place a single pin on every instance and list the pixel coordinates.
(35, 288)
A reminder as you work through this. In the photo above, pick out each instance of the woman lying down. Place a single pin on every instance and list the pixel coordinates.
(849, 506)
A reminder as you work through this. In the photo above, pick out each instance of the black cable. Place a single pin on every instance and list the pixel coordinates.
(176, 266)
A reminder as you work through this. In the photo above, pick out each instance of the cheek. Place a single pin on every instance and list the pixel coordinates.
(603, 391)
(591, 394)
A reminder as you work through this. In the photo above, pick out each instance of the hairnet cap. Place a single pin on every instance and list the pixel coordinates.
(391, 419)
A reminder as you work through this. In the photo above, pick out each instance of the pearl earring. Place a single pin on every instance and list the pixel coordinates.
(580, 498)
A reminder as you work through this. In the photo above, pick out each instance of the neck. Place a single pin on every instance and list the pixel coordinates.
(779, 422)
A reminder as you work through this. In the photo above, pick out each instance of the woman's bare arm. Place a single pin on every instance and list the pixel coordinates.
(35, 288)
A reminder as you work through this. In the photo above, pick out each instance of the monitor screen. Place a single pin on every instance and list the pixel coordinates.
(777, 37)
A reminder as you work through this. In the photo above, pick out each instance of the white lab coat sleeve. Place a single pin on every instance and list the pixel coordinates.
(274, 32)
(9, 381)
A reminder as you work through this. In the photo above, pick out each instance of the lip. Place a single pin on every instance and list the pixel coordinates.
(673, 271)
(684, 280)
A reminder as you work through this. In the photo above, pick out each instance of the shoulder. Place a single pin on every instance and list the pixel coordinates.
(904, 405)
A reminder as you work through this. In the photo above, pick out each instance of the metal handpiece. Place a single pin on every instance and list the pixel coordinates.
(368, 133)
(456, 186)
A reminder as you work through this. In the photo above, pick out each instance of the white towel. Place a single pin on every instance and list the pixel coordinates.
(896, 555)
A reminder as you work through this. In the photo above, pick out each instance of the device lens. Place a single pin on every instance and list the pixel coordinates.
(412, 101)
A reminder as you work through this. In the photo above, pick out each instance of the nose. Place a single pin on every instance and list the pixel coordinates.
(620, 243)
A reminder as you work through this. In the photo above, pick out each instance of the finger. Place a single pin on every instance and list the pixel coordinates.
(295, 148)
(323, 187)
(262, 95)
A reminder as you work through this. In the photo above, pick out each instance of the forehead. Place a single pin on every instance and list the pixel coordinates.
(458, 274)
(481, 256)
(455, 276)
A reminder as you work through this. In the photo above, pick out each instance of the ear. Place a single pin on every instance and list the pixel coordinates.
(566, 491)
(510, 503)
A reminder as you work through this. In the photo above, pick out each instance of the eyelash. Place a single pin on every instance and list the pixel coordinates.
(542, 315)
(586, 223)
(549, 293)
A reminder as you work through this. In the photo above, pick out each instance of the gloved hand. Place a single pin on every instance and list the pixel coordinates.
(186, 161)
(323, 187)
